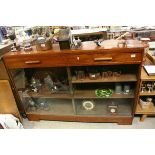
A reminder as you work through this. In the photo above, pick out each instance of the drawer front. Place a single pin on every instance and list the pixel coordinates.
(104, 59)
(117, 58)
(73, 60)
(35, 61)
(79, 59)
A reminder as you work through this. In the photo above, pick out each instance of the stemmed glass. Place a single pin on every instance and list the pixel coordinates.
(149, 86)
(143, 87)
(153, 86)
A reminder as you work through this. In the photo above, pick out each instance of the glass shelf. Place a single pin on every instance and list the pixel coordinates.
(48, 94)
(56, 107)
(91, 94)
(122, 78)
(101, 107)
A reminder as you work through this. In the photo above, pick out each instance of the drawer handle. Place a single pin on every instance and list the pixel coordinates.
(32, 62)
(103, 59)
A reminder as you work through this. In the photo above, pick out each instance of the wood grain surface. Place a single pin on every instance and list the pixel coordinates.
(7, 101)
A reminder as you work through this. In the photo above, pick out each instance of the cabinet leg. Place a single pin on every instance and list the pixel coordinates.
(143, 117)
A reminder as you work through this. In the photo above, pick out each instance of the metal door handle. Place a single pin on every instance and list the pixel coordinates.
(33, 62)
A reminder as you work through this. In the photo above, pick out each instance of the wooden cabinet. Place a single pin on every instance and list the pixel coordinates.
(50, 86)
(145, 93)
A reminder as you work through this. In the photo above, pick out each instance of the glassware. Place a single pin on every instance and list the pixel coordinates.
(153, 85)
(126, 89)
(149, 86)
(27, 47)
(118, 88)
(104, 74)
(32, 104)
(43, 104)
(117, 74)
(35, 84)
(80, 75)
(110, 73)
(50, 84)
(143, 87)
(29, 101)
(94, 76)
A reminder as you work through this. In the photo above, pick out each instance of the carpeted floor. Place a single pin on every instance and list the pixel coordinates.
(149, 123)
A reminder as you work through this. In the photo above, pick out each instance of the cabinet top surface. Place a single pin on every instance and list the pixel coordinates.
(3, 48)
(89, 46)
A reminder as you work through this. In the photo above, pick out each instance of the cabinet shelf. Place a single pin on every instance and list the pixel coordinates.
(91, 94)
(147, 93)
(146, 77)
(122, 78)
(150, 110)
(47, 94)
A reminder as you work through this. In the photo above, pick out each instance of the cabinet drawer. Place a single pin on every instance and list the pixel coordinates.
(117, 58)
(104, 59)
(35, 61)
(107, 58)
